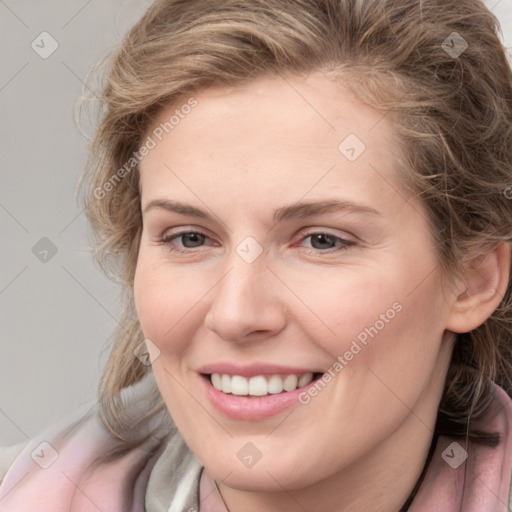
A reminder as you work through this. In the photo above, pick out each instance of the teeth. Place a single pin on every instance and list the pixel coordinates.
(226, 384)
(216, 381)
(305, 379)
(239, 385)
(290, 383)
(259, 385)
(275, 384)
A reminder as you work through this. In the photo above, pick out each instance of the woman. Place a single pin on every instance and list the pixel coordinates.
(309, 207)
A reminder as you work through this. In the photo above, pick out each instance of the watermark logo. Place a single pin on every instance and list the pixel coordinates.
(455, 45)
(44, 250)
(44, 455)
(146, 352)
(352, 147)
(44, 45)
(249, 455)
(249, 249)
(454, 455)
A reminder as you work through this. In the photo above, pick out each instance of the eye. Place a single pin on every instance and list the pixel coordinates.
(189, 239)
(326, 242)
(321, 242)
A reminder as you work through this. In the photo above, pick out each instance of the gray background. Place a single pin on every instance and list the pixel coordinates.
(56, 310)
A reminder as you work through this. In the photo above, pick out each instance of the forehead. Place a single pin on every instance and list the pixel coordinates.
(280, 108)
(273, 129)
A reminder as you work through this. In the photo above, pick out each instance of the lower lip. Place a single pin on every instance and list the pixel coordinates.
(255, 408)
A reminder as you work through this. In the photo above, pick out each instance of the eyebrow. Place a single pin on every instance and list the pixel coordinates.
(294, 211)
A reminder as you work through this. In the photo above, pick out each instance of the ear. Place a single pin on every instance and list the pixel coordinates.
(481, 290)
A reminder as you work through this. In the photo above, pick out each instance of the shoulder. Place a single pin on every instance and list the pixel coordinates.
(70, 453)
(7, 456)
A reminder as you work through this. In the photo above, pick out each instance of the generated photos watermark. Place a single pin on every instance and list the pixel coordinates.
(150, 143)
(358, 343)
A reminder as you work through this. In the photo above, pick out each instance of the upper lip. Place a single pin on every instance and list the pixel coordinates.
(254, 369)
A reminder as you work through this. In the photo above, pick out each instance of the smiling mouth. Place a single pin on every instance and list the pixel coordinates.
(259, 385)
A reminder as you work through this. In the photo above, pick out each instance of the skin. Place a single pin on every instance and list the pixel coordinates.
(242, 153)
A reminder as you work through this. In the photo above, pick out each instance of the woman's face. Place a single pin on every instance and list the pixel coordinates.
(279, 241)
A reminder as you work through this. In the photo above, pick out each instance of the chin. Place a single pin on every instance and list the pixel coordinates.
(270, 476)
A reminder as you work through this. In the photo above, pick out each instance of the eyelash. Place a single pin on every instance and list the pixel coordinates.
(344, 245)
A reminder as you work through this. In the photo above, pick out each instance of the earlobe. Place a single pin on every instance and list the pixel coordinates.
(486, 278)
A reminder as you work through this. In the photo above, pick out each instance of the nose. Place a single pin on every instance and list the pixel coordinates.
(246, 303)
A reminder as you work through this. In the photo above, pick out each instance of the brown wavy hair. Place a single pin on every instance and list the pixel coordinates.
(453, 115)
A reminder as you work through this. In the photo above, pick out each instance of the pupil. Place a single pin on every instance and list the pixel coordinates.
(196, 239)
(322, 238)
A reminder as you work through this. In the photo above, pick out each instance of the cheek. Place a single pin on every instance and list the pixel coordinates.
(384, 355)
(343, 303)
(398, 364)
(163, 303)
(381, 325)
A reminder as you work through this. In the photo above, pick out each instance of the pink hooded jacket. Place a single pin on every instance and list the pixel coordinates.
(53, 472)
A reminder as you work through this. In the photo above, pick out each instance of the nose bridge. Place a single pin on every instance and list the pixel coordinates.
(244, 300)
